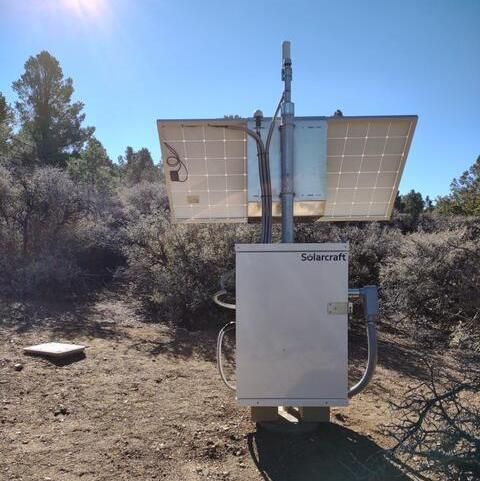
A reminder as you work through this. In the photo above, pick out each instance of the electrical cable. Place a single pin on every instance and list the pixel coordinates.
(174, 161)
(272, 125)
(265, 184)
(267, 163)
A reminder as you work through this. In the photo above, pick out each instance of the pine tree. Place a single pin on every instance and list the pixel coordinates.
(47, 113)
(6, 126)
(138, 166)
(94, 167)
(464, 197)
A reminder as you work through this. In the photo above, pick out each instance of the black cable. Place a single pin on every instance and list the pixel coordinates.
(174, 161)
(267, 165)
(272, 125)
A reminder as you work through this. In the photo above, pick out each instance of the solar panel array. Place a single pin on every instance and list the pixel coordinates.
(365, 161)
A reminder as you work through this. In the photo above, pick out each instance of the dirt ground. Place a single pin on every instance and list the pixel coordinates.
(146, 403)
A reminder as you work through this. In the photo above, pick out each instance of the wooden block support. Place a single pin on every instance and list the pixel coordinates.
(263, 413)
(315, 414)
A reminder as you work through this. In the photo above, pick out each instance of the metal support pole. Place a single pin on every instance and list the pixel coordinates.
(286, 146)
(264, 414)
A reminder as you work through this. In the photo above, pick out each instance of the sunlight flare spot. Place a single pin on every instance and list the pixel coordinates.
(85, 9)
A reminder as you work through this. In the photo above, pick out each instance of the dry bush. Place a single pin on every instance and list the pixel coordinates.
(438, 426)
(370, 245)
(145, 198)
(176, 268)
(434, 281)
(54, 236)
(431, 223)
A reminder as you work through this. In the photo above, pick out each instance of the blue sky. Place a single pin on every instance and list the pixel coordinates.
(133, 61)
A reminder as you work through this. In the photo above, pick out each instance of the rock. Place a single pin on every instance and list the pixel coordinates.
(61, 410)
(18, 366)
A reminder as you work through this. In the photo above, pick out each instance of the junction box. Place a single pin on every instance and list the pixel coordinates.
(292, 324)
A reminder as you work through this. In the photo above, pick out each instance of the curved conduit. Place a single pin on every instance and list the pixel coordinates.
(369, 297)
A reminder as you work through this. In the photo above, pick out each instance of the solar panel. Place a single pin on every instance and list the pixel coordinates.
(212, 185)
(365, 160)
(346, 168)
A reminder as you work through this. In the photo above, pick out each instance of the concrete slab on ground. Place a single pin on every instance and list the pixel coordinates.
(54, 349)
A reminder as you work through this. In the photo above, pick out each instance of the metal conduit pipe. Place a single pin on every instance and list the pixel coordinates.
(369, 296)
(221, 335)
(216, 299)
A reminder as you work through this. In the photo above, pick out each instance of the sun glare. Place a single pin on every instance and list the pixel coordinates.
(85, 8)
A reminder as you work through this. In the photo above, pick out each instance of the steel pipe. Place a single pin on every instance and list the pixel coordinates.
(369, 296)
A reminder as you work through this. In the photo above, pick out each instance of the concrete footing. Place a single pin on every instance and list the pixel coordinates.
(310, 414)
(261, 414)
(314, 414)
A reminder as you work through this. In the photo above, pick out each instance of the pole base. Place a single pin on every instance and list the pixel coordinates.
(260, 414)
(289, 419)
(315, 414)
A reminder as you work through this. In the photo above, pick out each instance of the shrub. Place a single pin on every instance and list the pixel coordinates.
(53, 233)
(434, 281)
(438, 422)
(370, 245)
(48, 274)
(176, 268)
(142, 199)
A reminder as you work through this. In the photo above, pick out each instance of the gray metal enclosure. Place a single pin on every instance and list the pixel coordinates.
(292, 324)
